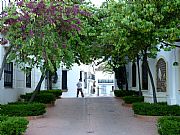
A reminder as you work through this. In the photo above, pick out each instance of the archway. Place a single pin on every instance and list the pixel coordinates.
(161, 75)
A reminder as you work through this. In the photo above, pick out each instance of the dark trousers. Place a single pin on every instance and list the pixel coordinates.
(80, 90)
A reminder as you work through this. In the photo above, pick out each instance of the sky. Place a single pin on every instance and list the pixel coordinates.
(97, 2)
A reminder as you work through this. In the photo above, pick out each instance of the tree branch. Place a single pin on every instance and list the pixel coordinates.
(4, 61)
(168, 44)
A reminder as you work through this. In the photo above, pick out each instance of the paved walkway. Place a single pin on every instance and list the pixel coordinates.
(90, 116)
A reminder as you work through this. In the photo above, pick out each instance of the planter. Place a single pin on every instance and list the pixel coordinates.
(34, 117)
(126, 105)
(119, 98)
(147, 118)
(51, 104)
(58, 97)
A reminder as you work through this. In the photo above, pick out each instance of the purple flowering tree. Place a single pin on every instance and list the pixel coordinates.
(43, 33)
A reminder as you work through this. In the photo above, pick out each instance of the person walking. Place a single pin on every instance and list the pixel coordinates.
(79, 88)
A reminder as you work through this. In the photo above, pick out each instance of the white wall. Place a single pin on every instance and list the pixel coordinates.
(104, 88)
(73, 76)
(172, 96)
(19, 83)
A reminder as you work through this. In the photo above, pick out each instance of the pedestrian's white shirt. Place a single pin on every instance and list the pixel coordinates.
(79, 85)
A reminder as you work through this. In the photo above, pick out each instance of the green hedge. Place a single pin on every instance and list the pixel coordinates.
(22, 109)
(42, 97)
(133, 99)
(57, 93)
(156, 109)
(12, 125)
(169, 126)
(123, 93)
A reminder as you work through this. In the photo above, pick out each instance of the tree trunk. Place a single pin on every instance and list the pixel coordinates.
(4, 61)
(38, 87)
(50, 80)
(47, 79)
(140, 92)
(151, 77)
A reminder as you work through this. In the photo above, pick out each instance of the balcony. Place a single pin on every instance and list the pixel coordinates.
(105, 81)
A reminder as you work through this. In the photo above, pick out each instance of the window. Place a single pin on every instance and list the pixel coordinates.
(80, 75)
(134, 75)
(8, 75)
(64, 79)
(93, 77)
(28, 78)
(4, 3)
(144, 77)
(85, 80)
(105, 81)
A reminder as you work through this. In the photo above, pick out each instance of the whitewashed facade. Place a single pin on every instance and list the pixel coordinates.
(166, 74)
(88, 74)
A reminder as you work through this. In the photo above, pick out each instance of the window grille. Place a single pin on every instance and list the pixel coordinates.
(8, 75)
(28, 78)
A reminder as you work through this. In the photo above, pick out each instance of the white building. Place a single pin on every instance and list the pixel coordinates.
(104, 82)
(88, 75)
(166, 74)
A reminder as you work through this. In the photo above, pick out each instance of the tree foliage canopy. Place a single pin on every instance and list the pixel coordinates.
(47, 33)
(133, 26)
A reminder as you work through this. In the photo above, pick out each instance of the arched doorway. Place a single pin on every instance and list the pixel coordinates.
(161, 75)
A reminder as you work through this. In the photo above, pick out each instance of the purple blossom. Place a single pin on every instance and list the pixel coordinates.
(31, 32)
(30, 5)
(41, 5)
(68, 21)
(85, 13)
(26, 16)
(68, 11)
(73, 26)
(23, 27)
(64, 46)
(10, 21)
(51, 21)
(76, 9)
(20, 3)
(3, 14)
(77, 20)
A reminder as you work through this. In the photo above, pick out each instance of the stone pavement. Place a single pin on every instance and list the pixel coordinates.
(90, 116)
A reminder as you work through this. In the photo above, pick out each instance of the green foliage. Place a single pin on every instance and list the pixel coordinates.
(46, 33)
(12, 125)
(169, 126)
(151, 109)
(134, 26)
(133, 99)
(123, 93)
(42, 97)
(23, 109)
(56, 93)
